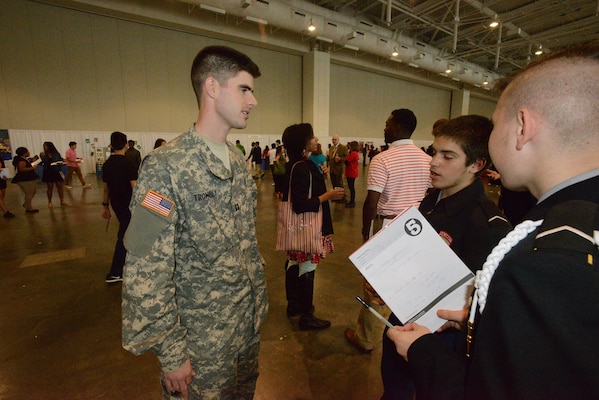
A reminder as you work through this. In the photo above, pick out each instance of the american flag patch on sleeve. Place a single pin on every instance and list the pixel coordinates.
(158, 203)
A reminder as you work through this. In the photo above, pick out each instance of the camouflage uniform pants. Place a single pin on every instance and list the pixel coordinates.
(230, 377)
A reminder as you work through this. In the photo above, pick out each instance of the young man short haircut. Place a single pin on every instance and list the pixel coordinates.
(459, 210)
(194, 291)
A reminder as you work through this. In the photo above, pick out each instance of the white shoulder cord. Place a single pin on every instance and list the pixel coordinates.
(483, 277)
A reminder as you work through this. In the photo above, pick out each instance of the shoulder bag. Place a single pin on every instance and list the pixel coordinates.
(299, 232)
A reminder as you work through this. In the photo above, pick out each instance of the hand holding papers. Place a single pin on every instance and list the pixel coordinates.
(414, 271)
(35, 161)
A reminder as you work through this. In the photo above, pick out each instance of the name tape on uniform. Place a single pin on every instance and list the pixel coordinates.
(158, 203)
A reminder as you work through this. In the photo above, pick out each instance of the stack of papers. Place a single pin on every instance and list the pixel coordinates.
(414, 271)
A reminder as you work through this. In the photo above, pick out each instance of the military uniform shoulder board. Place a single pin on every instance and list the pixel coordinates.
(572, 226)
(491, 212)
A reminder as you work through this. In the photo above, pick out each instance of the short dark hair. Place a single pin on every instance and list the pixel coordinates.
(295, 139)
(472, 133)
(72, 143)
(405, 120)
(118, 140)
(21, 151)
(221, 63)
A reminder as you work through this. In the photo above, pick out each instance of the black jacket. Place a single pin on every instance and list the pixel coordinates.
(468, 221)
(300, 187)
(538, 337)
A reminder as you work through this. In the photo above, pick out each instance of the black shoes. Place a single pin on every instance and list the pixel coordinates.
(113, 278)
(8, 214)
(310, 322)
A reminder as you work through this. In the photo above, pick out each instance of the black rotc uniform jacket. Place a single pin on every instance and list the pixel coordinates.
(538, 337)
(468, 221)
(472, 225)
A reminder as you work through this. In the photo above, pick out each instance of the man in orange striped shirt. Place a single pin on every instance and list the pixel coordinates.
(397, 179)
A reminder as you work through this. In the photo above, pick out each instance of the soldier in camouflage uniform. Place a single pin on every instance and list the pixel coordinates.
(194, 291)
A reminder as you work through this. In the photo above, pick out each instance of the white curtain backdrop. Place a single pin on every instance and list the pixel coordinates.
(89, 141)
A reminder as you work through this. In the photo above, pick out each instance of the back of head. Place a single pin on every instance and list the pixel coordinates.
(354, 146)
(405, 120)
(159, 142)
(118, 140)
(51, 148)
(563, 88)
(295, 138)
(221, 63)
(471, 132)
(71, 144)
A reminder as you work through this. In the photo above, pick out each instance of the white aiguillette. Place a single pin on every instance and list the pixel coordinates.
(414, 271)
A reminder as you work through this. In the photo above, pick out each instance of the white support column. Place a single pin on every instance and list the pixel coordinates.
(317, 80)
(460, 103)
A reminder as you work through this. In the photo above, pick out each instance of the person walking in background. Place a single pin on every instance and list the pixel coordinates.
(133, 154)
(7, 214)
(302, 179)
(73, 162)
(119, 175)
(53, 162)
(240, 146)
(351, 172)
(336, 164)
(257, 160)
(272, 155)
(279, 170)
(318, 158)
(159, 142)
(194, 291)
(397, 179)
(25, 177)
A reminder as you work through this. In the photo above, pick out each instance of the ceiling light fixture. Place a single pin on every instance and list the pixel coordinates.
(213, 9)
(350, 47)
(311, 27)
(539, 50)
(395, 52)
(324, 39)
(494, 22)
(257, 20)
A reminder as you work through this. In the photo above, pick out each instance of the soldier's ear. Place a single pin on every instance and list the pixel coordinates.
(528, 124)
(211, 86)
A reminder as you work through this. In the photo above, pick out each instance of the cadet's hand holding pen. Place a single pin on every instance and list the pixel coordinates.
(404, 336)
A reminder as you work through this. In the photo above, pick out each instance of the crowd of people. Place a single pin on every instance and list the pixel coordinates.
(194, 292)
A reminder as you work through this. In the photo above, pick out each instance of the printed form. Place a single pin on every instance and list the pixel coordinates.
(414, 271)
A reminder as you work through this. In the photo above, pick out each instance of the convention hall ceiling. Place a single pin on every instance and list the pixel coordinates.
(460, 28)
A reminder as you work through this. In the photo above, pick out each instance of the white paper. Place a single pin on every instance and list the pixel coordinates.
(414, 271)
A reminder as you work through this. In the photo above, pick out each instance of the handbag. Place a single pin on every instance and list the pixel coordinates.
(299, 232)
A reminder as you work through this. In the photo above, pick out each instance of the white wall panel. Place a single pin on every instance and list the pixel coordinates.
(361, 101)
(482, 107)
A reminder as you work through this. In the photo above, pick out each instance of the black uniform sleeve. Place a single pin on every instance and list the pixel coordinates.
(439, 372)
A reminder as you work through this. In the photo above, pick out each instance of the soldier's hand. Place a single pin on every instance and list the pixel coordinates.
(177, 380)
(455, 318)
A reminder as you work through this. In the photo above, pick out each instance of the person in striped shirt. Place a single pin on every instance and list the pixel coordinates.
(397, 179)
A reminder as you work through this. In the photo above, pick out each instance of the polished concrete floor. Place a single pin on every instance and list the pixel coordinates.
(60, 327)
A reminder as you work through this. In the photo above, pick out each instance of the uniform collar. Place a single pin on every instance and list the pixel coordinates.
(216, 166)
(456, 202)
